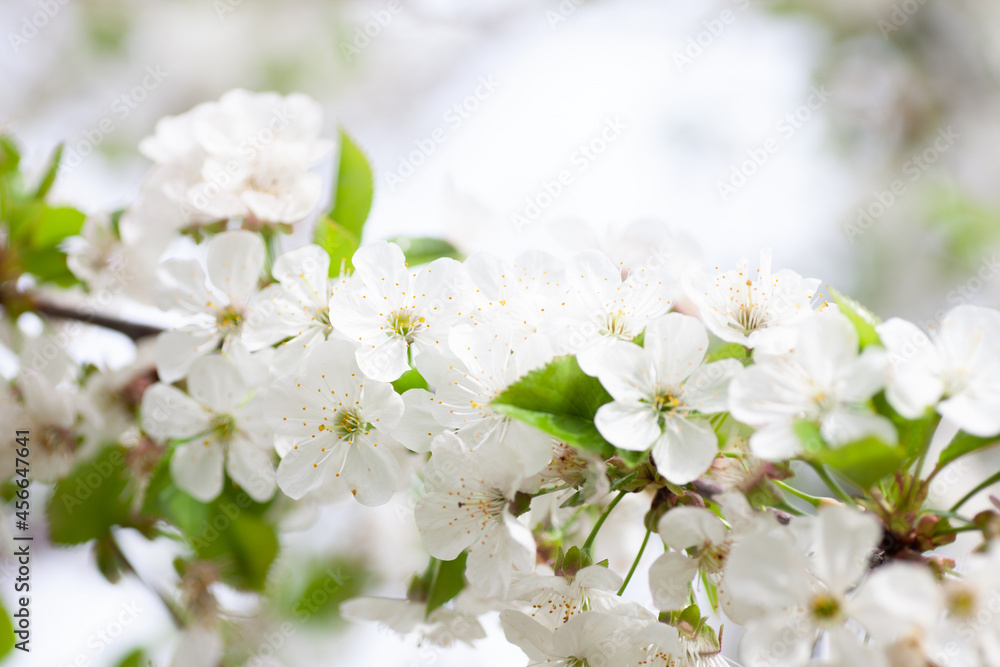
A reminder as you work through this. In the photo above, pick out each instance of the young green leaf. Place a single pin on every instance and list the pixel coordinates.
(862, 318)
(339, 242)
(561, 400)
(447, 582)
(50, 173)
(424, 249)
(964, 443)
(355, 188)
(95, 496)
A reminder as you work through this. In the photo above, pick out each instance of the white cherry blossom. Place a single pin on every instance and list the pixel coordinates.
(824, 379)
(657, 388)
(336, 422)
(217, 423)
(955, 368)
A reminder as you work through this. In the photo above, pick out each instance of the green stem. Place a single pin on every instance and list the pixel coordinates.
(785, 507)
(635, 563)
(600, 521)
(992, 479)
(832, 484)
(812, 500)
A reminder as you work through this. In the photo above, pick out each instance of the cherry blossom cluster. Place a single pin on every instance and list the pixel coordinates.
(781, 443)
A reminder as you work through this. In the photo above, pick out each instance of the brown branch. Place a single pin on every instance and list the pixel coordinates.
(133, 330)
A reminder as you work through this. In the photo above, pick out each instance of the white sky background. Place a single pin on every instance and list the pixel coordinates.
(685, 129)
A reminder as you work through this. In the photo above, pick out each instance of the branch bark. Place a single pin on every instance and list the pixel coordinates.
(133, 330)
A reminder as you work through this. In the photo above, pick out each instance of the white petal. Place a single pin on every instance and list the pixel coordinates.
(626, 371)
(684, 527)
(235, 262)
(978, 415)
(632, 426)
(177, 350)
(670, 578)
(444, 527)
(180, 283)
(686, 449)
(385, 360)
(417, 426)
(843, 540)
(677, 344)
(370, 471)
(776, 442)
(491, 558)
(897, 599)
(251, 468)
(302, 468)
(826, 344)
(196, 467)
(914, 368)
(167, 412)
(215, 382)
(707, 390)
(844, 426)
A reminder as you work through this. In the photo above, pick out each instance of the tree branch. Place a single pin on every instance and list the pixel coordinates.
(133, 330)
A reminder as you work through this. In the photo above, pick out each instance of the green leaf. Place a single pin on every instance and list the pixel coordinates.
(10, 156)
(95, 496)
(864, 462)
(50, 173)
(727, 351)
(355, 187)
(6, 632)
(913, 433)
(411, 379)
(862, 318)
(339, 242)
(447, 582)
(561, 400)
(54, 225)
(136, 658)
(425, 249)
(49, 266)
(963, 443)
(230, 530)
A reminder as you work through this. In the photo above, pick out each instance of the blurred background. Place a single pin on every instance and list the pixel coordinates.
(857, 138)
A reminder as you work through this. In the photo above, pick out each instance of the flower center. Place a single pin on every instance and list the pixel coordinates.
(749, 316)
(665, 402)
(404, 322)
(825, 608)
(961, 602)
(229, 319)
(616, 324)
(349, 423)
(58, 440)
(224, 426)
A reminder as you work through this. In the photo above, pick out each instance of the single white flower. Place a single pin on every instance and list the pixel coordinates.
(969, 634)
(336, 421)
(296, 309)
(704, 537)
(823, 379)
(218, 423)
(467, 507)
(443, 627)
(757, 311)
(553, 599)
(395, 313)
(786, 599)
(955, 368)
(607, 308)
(218, 306)
(587, 639)
(657, 387)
